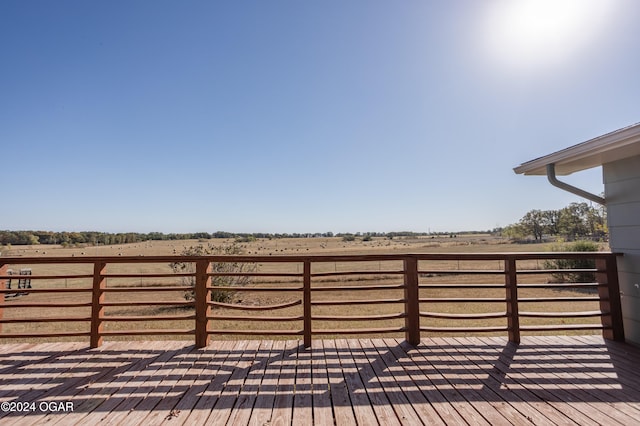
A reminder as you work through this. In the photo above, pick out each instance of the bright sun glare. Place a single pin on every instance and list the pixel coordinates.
(537, 34)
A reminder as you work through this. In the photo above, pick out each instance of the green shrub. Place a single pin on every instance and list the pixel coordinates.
(573, 277)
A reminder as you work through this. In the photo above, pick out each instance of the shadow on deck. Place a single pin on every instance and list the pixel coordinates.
(481, 380)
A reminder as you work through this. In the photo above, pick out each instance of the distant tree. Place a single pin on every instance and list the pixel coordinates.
(551, 221)
(533, 223)
(202, 235)
(221, 234)
(572, 221)
(597, 222)
(513, 232)
(577, 220)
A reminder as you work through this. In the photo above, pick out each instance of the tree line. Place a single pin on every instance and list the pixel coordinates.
(105, 238)
(574, 222)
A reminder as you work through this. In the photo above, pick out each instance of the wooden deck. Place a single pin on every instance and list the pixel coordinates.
(581, 380)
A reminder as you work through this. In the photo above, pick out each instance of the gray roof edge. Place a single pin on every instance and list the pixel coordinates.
(592, 148)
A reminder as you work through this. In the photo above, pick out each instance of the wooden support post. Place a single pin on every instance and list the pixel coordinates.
(97, 303)
(306, 301)
(412, 302)
(513, 318)
(3, 271)
(202, 297)
(609, 293)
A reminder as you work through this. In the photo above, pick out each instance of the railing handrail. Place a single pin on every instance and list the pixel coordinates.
(605, 270)
(286, 258)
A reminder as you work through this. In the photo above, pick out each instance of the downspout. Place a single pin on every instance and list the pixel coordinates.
(551, 175)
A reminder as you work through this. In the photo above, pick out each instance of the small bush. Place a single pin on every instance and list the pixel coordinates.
(221, 296)
(573, 277)
(245, 239)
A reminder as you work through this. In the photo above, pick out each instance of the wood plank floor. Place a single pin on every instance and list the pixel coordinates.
(580, 380)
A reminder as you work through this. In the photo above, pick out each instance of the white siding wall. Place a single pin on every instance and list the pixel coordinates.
(622, 192)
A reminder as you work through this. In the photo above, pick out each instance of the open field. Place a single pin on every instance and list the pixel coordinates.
(378, 273)
(334, 245)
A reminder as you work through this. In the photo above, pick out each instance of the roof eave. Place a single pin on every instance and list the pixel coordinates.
(610, 147)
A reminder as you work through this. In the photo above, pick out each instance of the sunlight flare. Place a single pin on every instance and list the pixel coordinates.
(538, 34)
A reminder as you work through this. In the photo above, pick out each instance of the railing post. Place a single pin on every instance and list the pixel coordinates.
(609, 293)
(306, 301)
(97, 303)
(412, 302)
(3, 271)
(511, 282)
(202, 297)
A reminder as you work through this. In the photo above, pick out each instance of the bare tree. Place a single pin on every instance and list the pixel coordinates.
(217, 267)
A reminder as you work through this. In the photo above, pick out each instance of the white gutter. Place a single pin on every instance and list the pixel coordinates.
(615, 146)
(551, 175)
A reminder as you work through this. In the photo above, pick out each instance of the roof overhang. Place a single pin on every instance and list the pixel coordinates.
(613, 146)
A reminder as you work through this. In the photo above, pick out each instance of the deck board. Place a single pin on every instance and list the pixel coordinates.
(338, 391)
(322, 411)
(493, 409)
(128, 387)
(451, 380)
(427, 359)
(429, 403)
(241, 412)
(383, 410)
(540, 377)
(303, 397)
(360, 402)
(221, 369)
(619, 410)
(383, 366)
(283, 404)
(487, 359)
(263, 405)
(525, 403)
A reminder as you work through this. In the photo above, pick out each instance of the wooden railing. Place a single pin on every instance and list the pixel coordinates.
(412, 294)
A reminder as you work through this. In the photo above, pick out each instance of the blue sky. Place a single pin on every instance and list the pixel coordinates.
(289, 116)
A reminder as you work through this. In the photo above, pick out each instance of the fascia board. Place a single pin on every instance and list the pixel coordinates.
(610, 147)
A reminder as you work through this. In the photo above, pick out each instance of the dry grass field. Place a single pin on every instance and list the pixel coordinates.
(273, 247)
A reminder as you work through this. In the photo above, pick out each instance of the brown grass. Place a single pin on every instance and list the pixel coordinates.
(478, 243)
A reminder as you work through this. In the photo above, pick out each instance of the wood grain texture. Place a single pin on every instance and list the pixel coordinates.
(546, 380)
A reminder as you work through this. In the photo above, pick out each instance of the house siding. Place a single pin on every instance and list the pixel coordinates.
(622, 192)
